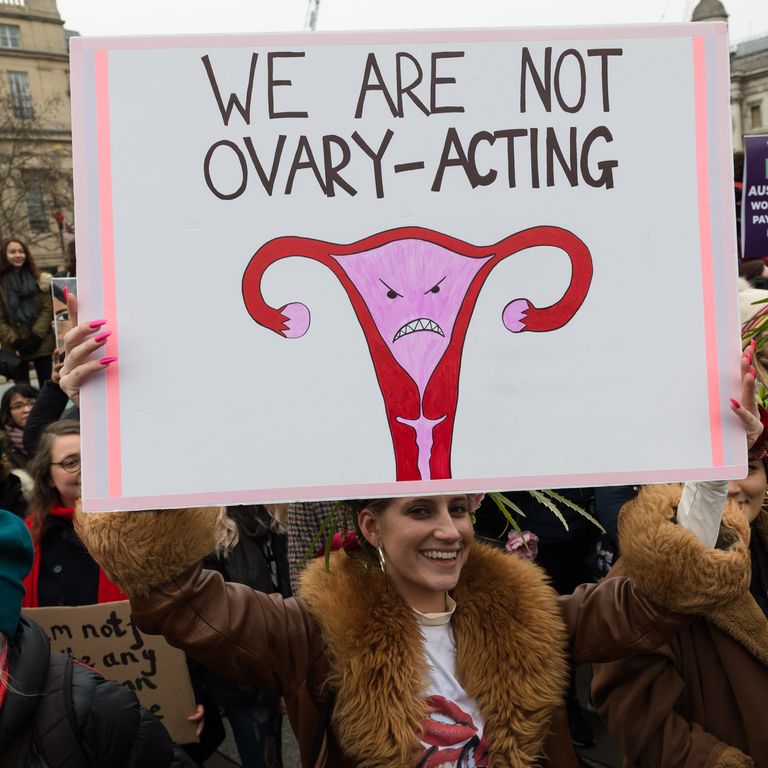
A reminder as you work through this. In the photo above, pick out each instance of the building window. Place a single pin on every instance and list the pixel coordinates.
(21, 98)
(10, 36)
(755, 116)
(38, 220)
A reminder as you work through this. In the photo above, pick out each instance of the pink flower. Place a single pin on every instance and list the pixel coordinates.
(348, 542)
(526, 547)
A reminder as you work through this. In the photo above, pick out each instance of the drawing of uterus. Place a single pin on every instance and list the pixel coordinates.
(413, 291)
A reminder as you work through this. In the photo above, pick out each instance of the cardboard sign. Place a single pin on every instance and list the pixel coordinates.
(371, 264)
(754, 203)
(105, 638)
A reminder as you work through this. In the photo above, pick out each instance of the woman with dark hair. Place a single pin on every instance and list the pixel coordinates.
(15, 407)
(26, 311)
(63, 572)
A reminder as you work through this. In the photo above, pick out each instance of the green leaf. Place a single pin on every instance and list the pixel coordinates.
(505, 505)
(542, 499)
(575, 507)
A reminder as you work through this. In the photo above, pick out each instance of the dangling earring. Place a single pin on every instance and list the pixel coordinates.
(382, 561)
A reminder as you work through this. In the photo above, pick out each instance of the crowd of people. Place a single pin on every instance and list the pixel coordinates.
(430, 636)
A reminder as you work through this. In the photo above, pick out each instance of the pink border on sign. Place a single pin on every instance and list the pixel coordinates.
(608, 32)
(705, 245)
(414, 488)
(114, 458)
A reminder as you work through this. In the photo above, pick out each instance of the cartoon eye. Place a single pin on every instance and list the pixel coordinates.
(436, 287)
(391, 293)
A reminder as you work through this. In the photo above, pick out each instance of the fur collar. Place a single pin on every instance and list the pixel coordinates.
(510, 641)
(673, 568)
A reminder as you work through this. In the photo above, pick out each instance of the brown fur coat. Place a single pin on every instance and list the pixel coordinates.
(510, 641)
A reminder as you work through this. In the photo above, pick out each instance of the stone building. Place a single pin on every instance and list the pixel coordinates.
(35, 129)
(749, 89)
(749, 77)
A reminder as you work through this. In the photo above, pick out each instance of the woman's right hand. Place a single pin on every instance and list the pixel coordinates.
(80, 342)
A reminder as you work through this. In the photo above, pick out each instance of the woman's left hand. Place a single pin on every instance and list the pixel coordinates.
(199, 718)
(746, 407)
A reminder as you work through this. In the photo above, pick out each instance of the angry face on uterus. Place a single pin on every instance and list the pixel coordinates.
(414, 291)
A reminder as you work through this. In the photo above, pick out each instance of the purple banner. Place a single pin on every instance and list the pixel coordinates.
(754, 203)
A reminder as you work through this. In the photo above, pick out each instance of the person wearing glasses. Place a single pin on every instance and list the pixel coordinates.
(15, 407)
(63, 573)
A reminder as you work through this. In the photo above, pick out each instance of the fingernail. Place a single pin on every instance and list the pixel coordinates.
(753, 344)
(96, 323)
(102, 336)
(735, 403)
(66, 293)
(108, 360)
(748, 356)
(753, 372)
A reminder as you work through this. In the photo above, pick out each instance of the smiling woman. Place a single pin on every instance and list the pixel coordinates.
(421, 544)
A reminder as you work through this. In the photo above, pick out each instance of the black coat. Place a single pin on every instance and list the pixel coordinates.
(106, 718)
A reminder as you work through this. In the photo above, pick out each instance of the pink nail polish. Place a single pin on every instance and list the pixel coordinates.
(66, 293)
(735, 403)
(108, 360)
(103, 336)
(748, 355)
(96, 323)
(753, 344)
(753, 372)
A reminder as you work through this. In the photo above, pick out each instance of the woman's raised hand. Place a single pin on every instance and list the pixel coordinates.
(80, 342)
(746, 408)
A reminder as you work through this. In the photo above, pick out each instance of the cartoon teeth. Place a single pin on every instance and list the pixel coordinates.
(420, 324)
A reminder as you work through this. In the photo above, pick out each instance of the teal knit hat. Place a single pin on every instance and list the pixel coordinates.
(16, 556)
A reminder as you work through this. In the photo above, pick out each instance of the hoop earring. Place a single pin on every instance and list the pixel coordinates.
(382, 561)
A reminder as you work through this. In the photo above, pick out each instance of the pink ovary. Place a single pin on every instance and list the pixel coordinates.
(514, 315)
(297, 320)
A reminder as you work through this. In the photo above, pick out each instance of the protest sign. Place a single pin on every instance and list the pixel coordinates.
(754, 204)
(104, 637)
(367, 264)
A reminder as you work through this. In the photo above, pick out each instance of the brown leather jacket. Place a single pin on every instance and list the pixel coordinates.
(351, 633)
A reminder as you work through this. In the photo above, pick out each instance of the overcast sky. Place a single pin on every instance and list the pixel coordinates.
(748, 18)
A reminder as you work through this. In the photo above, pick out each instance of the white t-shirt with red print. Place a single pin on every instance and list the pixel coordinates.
(453, 730)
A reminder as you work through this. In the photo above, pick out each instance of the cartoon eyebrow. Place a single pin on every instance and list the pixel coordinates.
(435, 286)
(392, 290)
